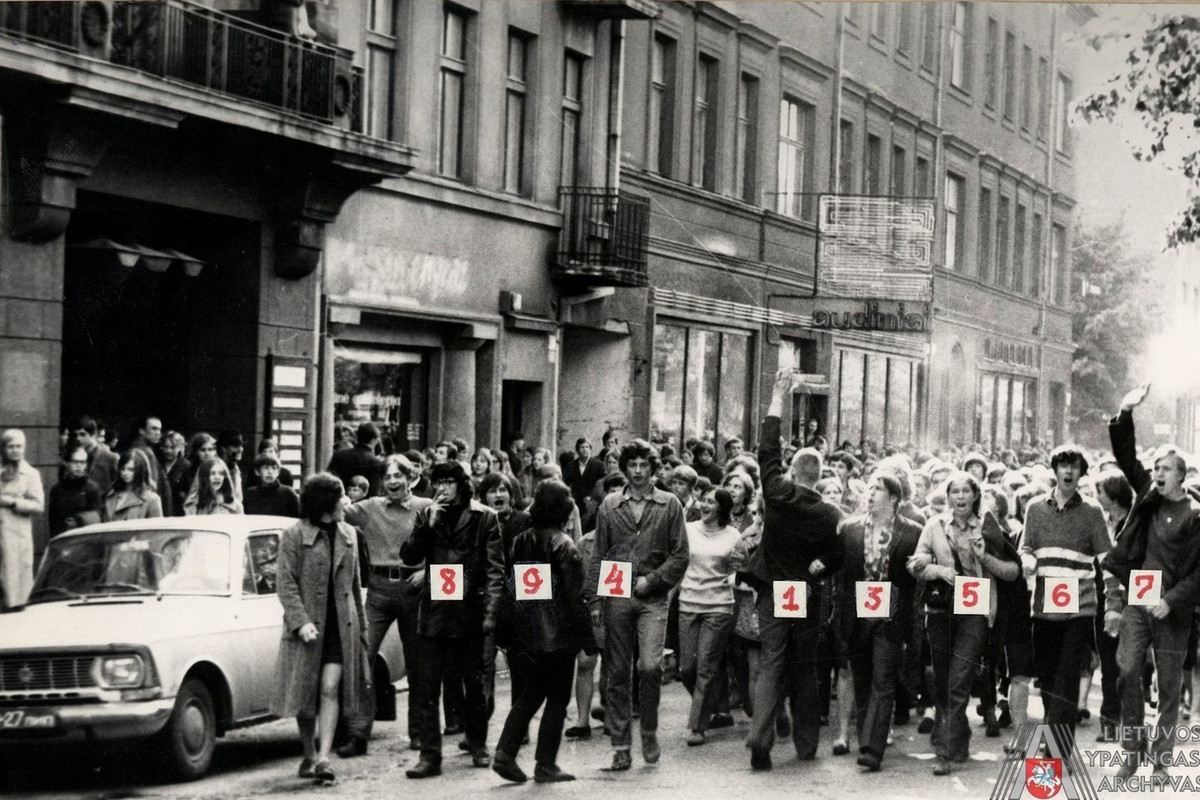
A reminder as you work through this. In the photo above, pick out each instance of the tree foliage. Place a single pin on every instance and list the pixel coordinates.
(1161, 86)
(1115, 316)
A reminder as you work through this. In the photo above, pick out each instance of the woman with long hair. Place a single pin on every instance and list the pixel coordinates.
(741, 491)
(132, 496)
(214, 491)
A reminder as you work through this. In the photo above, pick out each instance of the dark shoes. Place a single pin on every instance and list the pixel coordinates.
(453, 729)
(578, 732)
(783, 726)
(869, 760)
(925, 726)
(306, 769)
(651, 752)
(550, 773)
(323, 775)
(598, 714)
(721, 721)
(481, 758)
(695, 739)
(506, 767)
(424, 769)
(760, 759)
(941, 766)
(354, 746)
(840, 749)
(621, 762)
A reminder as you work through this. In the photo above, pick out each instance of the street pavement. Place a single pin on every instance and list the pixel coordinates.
(261, 762)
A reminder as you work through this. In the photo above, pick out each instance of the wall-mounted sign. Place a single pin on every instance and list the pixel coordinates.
(868, 242)
(871, 315)
(1021, 355)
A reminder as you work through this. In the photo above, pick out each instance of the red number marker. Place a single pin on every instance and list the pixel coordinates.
(1060, 596)
(447, 576)
(969, 594)
(1144, 583)
(789, 596)
(614, 578)
(873, 598)
(532, 580)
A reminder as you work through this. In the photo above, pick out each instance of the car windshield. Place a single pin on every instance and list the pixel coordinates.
(134, 562)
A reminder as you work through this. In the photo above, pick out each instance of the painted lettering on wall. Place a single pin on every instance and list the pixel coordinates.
(1023, 355)
(872, 318)
(376, 271)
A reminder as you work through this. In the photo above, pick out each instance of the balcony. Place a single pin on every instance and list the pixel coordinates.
(615, 9)
(604, 237)
(202, 47)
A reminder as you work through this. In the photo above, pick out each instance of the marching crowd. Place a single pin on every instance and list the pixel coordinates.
(743, 579)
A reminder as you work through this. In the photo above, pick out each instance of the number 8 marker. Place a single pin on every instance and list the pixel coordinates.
(1145, 587)
(445, 581)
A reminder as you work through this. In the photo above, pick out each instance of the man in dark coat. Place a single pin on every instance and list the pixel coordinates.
(582, 472)
(1162, 532)
(75, 500)
(360, 459)
(799, 543)
(453, 530)
(102, 462)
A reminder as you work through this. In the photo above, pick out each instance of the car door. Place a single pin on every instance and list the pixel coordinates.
(259, 622)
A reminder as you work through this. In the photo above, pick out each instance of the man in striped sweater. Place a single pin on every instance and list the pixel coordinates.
(1063, 538)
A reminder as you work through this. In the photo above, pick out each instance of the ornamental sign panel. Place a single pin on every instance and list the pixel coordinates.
(870, 315)
(875, 247)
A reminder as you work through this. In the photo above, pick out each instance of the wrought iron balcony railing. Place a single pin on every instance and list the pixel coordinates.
(201, 46)
(604, 237)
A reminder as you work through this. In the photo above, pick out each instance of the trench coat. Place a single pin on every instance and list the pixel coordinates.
(16, 534)
(302, 583)
(121, 506)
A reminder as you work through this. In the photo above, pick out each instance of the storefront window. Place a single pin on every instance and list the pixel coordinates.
(387, 387)
(700, 384)
(850, 398)
(1017, 437)
(987, 408)
(875, 399)
(1006, 410)
(1002, 412)
(899, 418)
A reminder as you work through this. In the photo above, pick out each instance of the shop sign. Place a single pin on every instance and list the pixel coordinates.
(871, 315)
(375, 272)
(1021, 355)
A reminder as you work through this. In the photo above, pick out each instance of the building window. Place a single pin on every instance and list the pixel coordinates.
(992, 63)
(874, 166)
(921, 179)
(1043, 108)
(875, 398)
(700, 382)
(955, 191)
(904, 38)
(572, 113)
(451, 92)
(660, 150)
(1062, 115)
(845, 177)
(1018, 270)
(1058, 266)
(899, 186)
(1010, 75)
(1026, 88)
(746, 161)
(1036, 258)
(796, 123)
(704, 124)
(1006, 411)
(985, 234)
(879, 20)
(381, 69)
(929, 34)
(1003, 244)
(960, 43)
(854, 14)
(516, 92)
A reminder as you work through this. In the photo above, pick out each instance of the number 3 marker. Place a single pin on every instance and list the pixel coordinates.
(873, 599)
(445, 581)
(533, 581)
(614, 579)
(1145, 587)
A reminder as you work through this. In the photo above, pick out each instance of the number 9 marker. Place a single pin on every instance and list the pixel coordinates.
(532, 581)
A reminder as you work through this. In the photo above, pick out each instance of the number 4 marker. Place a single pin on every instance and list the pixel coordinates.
(614, 579)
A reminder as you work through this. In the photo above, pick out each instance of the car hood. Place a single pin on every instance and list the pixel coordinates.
(112, 620)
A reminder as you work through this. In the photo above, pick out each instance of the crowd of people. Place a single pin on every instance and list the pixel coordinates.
(707, 546)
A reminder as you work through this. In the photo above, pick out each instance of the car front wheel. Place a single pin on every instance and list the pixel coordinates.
(190, 737)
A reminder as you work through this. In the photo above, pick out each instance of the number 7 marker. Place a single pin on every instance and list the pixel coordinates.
(1145, 587)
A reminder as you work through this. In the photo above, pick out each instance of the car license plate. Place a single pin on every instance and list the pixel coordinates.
(27, 719)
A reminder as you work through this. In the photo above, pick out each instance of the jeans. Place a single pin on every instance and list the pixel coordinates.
(1168, 637)
(437, 657)
(1110, 698)
(1058, 647)
(788, 668)
(874, 657)
(702, 641)
(546, 677)
(956, 647)
(387, 602)
(629, 625)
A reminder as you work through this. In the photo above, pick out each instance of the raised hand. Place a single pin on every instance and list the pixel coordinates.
(1135, 397)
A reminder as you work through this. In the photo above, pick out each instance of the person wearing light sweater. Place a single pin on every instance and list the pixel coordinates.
(706, 606)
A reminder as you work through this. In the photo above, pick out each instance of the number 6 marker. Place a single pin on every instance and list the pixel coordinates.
(791, 599)
(1061, 595)
(614, 579)
(445, 582)
(972, 595)
(873, 599)
(1145, 587)
(533, 581)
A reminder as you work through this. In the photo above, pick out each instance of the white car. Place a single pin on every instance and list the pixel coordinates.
(166, 628)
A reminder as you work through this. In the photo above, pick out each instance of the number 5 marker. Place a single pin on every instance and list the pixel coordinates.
(972, 595)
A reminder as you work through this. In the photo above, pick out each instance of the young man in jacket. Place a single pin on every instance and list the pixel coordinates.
(644, 526)
(1162, 532)
(799, 543)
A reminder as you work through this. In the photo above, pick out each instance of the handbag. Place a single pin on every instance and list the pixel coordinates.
(938, 594)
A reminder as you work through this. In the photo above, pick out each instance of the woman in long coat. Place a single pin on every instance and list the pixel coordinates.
(132, 495)
(323, 651)
(21, 497)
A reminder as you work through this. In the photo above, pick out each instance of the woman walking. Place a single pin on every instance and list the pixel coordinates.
(132, 496)
(21, 497)
(546, 635)
(323, 651)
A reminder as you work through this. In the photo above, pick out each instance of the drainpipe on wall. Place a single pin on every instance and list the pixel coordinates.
(835, 125)
(939, 189)
(1048, 245)
(616, 103)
